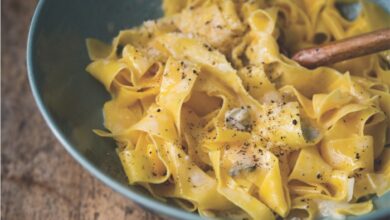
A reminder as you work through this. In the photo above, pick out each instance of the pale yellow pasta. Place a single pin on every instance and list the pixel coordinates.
(209, 113)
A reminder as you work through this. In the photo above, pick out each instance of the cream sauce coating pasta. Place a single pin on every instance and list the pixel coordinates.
(209, 112)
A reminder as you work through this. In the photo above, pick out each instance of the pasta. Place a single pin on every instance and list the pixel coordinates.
(208, 110)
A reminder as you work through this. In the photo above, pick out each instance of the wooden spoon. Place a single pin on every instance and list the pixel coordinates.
(345, 49)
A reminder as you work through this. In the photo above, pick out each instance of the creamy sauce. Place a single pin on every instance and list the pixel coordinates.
(328, 208)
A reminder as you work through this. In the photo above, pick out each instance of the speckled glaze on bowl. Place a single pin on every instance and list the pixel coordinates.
(71, 101)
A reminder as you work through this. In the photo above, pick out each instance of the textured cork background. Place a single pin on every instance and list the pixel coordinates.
(39, 180)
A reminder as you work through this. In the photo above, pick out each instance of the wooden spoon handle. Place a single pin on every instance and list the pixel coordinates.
(345, 49)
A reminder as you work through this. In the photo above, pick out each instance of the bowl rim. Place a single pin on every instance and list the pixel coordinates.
(147, 202)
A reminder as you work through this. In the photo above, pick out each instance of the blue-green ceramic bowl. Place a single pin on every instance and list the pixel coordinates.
(71, 100)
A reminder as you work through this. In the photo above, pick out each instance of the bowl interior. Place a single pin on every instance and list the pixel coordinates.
(71, 100)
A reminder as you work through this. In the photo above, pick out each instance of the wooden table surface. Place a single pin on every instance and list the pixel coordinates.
(39, 180)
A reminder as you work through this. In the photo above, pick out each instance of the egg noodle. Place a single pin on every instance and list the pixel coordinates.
(209, 112)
